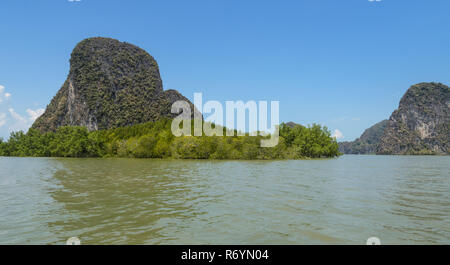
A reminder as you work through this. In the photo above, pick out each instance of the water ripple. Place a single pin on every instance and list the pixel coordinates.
(402, 200)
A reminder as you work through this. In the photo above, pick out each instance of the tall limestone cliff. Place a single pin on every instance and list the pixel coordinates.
(110, 84)
(421, 124)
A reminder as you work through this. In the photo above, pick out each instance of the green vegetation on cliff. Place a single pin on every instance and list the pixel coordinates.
(155, 140)
(420, 126)
(110, 84)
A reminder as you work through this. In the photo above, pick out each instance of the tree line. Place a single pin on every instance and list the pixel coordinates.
(155, 140)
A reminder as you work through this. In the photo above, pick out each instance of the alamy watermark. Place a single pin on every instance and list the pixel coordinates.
(235, 119)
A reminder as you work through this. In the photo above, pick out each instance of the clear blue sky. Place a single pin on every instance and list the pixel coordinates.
(344, 64)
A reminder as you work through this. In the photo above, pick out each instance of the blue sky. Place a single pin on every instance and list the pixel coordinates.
(344, 64)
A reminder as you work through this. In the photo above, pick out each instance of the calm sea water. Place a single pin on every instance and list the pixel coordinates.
(400, 199)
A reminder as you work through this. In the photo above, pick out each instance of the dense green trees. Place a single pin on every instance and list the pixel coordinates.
(155, 140)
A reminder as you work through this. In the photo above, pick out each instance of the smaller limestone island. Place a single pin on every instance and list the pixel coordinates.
(420, 126)
(113, 105)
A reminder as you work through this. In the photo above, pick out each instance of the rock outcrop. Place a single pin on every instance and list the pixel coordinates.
(110, 84)
(421, 124)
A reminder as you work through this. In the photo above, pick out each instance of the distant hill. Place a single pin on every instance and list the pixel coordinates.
(291, 124)
(110, 84)
(421, 125)
(367, 143)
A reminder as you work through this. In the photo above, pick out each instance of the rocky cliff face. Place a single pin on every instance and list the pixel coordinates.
(367, 143)
(421, 124)
(110, 84)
